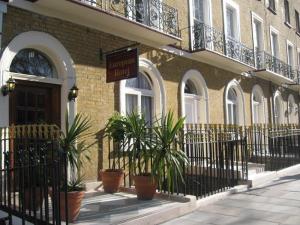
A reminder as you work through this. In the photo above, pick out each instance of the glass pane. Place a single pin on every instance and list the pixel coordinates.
(21, 98)
(146, 108)
(31, 117)
(131, 103)
(41, 118)
(33, 62)
(41, 101)
(190, 88)
(21, 117)
(232, 95)
(31, 98)
(140, 82)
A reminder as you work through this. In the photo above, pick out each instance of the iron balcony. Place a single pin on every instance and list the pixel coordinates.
(212, 44)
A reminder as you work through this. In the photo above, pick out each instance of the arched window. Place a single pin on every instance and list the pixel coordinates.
(192, 102)
(139, 96)
(278, 109)
(232, 106)
(194, 98)
(258, 108)
(234, 101)
(292, 110)
(33, 62)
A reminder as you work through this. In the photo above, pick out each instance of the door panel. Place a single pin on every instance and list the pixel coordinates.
(35, 103)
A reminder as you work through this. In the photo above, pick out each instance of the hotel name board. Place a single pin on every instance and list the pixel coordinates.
(121, 65)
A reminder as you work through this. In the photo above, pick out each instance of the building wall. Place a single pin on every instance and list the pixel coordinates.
(99, 100)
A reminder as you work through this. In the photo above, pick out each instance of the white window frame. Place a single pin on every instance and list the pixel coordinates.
(159, 94)
(240, 102)
(235, 6)
(254, 18)
(280, 114)
(298, 58)
(208, 20)
(291, 98)
(274, 31)
(258, 90)
(196, 77)
(289, 62)
(141, 92)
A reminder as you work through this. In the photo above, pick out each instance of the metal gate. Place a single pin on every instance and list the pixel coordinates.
(33, 170)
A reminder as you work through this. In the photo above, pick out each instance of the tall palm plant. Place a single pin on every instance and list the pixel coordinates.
(138, 143)
(168, 158)
(73, 140)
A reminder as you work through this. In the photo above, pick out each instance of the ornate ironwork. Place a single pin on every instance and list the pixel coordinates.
(152, 13)
(265, 60)
(206, 37)
(33, 62)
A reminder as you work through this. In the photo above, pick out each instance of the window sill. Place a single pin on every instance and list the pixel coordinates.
(272, 11)
(288, 24)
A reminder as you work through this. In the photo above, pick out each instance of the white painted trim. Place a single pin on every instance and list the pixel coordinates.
(236, 7)
(257, 89)
(291, 98)
(275, 31)
(191, 15)
(241, 101)
(58, 55)
(196, 77)
(159, 93)
(298, 58)
(277, 94)
(290, 44)
(33, 78)
(254, 17)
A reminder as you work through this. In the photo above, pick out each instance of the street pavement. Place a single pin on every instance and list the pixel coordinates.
(275, 203)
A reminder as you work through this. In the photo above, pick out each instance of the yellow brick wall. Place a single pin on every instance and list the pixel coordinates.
(98, 99)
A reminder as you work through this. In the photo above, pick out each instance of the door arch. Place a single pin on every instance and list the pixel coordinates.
(56, 52)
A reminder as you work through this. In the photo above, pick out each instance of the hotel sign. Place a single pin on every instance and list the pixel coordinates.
(121, 65)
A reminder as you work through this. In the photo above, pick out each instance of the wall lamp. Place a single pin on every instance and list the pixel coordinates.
(8, 87)
(73, 93)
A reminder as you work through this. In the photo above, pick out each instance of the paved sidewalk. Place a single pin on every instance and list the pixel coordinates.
(275, 203)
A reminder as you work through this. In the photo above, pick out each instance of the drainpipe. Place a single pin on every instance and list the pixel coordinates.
(3, 9)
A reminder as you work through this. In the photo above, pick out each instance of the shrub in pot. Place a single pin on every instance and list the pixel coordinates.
(73, 144)
(115, 131)
(138, 141)
(168, 157)
(75, 194)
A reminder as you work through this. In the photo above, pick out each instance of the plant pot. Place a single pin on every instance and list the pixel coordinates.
(111, 180)
(145, 187)
(33, 198)
(74, 204)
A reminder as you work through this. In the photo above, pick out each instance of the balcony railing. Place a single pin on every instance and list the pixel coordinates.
(152, 13)
(265, 60)
(206, 37)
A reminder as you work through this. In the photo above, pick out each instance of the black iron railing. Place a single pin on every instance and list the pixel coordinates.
(32, 172)
(275, 147)
(152, 13)
(207, 37)
(217, 156)
(265, 60)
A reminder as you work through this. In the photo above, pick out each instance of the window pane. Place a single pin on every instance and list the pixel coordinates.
(147, 108)
(199, 11)
(230, 22)
(140, 82)
(131, 103)
(32, 62)
(190, 88)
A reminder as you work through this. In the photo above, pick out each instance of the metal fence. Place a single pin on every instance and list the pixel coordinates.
(275, 147)
(32, 172)
(217, 155)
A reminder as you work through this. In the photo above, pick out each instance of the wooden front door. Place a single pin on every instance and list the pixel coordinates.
(35, 103)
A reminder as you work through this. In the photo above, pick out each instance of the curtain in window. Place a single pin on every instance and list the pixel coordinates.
(131, 103)
(230, 22)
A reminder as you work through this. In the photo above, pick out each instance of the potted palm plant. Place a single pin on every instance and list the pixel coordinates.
(168, 157)
(138, 142)
(73, 144)
(115, 131)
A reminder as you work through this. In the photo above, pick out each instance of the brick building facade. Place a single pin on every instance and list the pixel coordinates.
(74, 43)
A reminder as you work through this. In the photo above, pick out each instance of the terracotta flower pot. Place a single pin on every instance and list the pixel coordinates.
(33, 198)
(145, 187)
(74, 204)
(111, 180)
